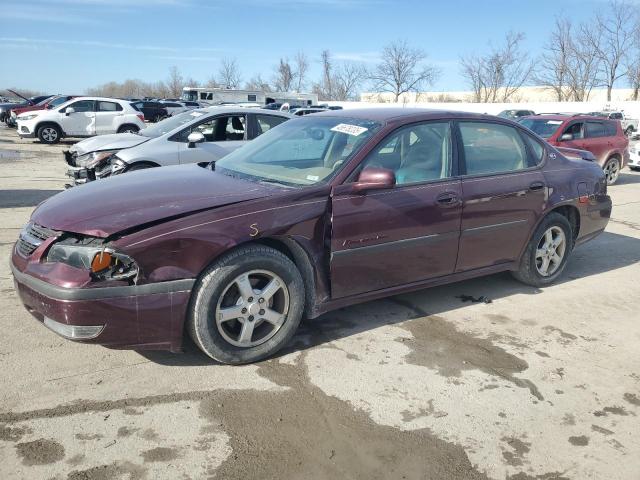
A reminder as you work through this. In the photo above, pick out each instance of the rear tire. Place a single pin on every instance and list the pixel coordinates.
(612, 170)
(128, 129)
(49, 133)
(547, 252)
(247, 305)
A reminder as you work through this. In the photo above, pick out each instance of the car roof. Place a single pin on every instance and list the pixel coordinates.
(391, 114)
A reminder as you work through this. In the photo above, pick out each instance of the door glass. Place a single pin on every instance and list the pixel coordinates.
(267, 122)
(575, 130)
(417, 153)
(492, 148)
(594, 130)
(108, 107)
(235, 127)
(82, 106)
(208, 129)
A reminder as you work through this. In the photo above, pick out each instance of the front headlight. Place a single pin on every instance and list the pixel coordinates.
(26, 117)
(103, 263)
(90, 160)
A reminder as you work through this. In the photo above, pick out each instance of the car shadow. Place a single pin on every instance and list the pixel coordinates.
(587, 260)
(24, 198)
(627, 178)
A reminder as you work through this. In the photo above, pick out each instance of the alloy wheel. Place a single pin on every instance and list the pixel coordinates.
(49, 134)
(551, 251)
(252, 308)
(612, 171)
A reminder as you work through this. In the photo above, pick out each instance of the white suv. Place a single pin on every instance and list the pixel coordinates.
(81, 117)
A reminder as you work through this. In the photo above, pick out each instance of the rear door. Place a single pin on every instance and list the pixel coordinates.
(106, 114)
(597, 140)
(409, 233)
(82, 121)
(504, 192)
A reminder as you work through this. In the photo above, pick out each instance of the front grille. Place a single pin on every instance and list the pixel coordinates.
(31, 237)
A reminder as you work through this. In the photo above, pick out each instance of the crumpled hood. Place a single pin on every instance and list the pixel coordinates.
(114, 204)
(114, 141)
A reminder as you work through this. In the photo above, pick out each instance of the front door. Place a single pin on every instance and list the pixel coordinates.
(405, 234)
(504, 193)
(222, 135)
(82, 121)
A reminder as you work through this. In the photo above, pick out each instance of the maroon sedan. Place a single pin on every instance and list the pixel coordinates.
(318, 213)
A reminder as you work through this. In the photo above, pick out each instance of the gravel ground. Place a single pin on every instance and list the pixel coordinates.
(537, 384)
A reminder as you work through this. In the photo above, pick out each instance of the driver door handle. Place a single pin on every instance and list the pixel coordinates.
(535, 186)
(448, 199)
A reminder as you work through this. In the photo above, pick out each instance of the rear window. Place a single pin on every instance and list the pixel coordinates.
(109, 107)
(543, 127)
(492, 148)
(610, 129)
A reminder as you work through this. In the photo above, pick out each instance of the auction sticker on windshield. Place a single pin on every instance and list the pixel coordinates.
(196, 114)
(354, 130)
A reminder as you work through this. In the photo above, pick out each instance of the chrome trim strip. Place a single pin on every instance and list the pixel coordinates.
(380, 248)
(61, 293)
(471, 231)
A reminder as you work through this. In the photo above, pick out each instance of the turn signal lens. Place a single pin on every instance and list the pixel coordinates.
(101, 261)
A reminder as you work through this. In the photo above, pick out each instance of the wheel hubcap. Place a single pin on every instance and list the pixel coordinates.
(612, 170)
(550, 252)
(49, 134)
(252, 308)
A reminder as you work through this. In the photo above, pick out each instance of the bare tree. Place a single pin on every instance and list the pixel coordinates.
(583, 74)
(229, 73)
(284, 76)
(553, 67)
(498, 75)
(302, 66)
(633, 75)
(257, 83)
(346, 80)
(610, 38)
(174, 83)
(402, 69)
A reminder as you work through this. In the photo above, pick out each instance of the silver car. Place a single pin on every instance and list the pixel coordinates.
(197, 136)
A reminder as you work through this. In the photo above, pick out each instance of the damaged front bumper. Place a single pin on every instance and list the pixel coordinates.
(82, 175)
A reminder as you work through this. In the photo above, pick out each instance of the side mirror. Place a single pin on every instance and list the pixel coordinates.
(193, 138)
(565, 137)
(373, 178)
(69, 111)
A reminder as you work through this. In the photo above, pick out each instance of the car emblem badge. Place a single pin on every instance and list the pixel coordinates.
(255, 230)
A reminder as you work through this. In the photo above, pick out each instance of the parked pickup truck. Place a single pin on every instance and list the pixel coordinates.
(629, 125)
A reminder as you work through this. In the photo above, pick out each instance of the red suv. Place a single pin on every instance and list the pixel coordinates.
(600, 136)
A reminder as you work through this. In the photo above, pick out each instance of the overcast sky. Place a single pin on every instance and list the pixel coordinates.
(66, 46)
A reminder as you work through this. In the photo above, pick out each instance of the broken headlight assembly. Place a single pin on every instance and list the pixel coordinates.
(118, 165)
(93, 159)
(103, 262)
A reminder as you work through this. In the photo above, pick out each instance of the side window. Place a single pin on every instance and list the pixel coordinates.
(82, 106)
(594, 130)
(610, 129)
(575, 130)
(537, 151)
(267, 122)
(208, 129)
(234, 130)
(492, 148)
(251, 98)
(415, 153)
(109, 107)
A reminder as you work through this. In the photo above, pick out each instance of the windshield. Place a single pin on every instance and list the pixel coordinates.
(305, 151)
(171, 123)
(544, 128)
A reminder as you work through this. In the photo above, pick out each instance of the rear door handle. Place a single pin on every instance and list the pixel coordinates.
(535, 186)
(448, 199)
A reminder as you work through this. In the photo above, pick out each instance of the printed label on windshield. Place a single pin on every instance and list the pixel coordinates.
(196, 114)
(349, 129)
(554, 122)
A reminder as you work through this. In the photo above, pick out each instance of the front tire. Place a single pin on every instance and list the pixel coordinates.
(612, 170)
(247, 305)
(629, 131)
(49, 134)
(547, 252)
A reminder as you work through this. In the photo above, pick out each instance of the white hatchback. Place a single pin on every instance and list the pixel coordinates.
(80, 117)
